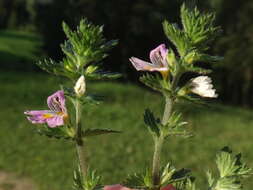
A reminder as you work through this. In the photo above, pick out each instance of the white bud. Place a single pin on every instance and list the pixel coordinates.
(80, 86)
(202, 86)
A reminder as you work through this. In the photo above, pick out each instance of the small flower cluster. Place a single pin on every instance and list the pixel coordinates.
(57, 114)
(201, 85)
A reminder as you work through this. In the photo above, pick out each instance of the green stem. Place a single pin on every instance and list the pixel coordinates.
(156, 161)
(167, 110)
(159, 143)
(79, 140)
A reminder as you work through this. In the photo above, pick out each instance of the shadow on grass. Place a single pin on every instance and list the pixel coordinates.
(11, 61)
(19, 36)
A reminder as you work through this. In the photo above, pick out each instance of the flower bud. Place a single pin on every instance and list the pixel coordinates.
(80, 86)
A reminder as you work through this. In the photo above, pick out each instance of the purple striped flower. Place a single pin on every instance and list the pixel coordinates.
(55, 116)
(158, 58)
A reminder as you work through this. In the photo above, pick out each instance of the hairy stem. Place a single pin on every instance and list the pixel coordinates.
(159, 143)
(79, 140)
(156, 161)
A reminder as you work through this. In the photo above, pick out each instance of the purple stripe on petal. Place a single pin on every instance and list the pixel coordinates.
(163, 50)
(36, 120)
(55, 121)
(56, 102)
(37, 112)
(158, 55)
(37, 116)
(141, 65)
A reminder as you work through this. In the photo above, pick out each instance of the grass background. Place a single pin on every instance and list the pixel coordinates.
(50, 162)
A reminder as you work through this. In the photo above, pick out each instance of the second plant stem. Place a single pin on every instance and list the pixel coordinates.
(79, 140)
(159, 143)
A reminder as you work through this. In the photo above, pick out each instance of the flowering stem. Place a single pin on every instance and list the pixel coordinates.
(79, 140)
(159, 143)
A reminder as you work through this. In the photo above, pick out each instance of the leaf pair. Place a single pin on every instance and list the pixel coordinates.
(174, 127)
(90, 182)
(67, 133)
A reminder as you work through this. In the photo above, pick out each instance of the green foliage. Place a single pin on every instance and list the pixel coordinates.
(229, 166)
(63, 132)
(156, 83)
(91, 181)
(199, 28)
(57, 68)
(83, 49)
(177, 37)
(193, 39)
(175, 126)
(179, 178)
(231, 171)
(152, 123)
(85, 45)
(139, 180)
(92, 99)
(167, 173)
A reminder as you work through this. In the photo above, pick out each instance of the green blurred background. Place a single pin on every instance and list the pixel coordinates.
(30, 30)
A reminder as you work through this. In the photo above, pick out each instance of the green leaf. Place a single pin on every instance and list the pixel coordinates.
(152, 123)
(54, 67)
(228, 183)
(139, 180)
(175, 127)
(190, 185)
(167, 173)
(231, 171)
(98, 75)
(134, 181)
(61, 132)
(195, 56)
(210, 178)
(156, 83)
(90, 182)
(177, 37)
(95, 132)
(229, 165)
(199, 27)
(92, 99)
(199, 70)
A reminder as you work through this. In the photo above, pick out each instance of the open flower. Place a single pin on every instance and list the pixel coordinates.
(158, 58)
(202, 86)
(54, 117)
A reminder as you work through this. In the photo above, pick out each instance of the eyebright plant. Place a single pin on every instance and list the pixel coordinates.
(84, 50)
(164, 73)
(86, 47)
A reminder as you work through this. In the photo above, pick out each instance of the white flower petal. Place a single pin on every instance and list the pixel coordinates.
(202, 86)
